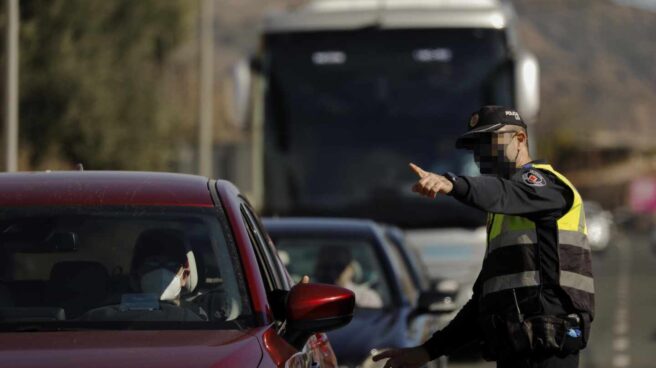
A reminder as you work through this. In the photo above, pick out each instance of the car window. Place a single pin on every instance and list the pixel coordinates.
(146, 267)
(422, 270)
(269, 251)
(262, 260)
(405, 279)
(412, 260)
(280, 265)
(350, 263)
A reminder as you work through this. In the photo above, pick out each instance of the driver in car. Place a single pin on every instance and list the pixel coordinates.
(160, 269)
(335, 265)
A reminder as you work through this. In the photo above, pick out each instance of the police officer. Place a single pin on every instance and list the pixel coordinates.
(533, 300)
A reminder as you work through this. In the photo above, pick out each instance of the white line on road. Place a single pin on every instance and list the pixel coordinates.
(622, 313)
(621, 342)
(622, 360)
(621, 328)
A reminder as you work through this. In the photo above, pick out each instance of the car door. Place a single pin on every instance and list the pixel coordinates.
(317, 351)
(420, 327)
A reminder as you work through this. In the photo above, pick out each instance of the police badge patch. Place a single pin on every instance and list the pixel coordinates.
(534, 178)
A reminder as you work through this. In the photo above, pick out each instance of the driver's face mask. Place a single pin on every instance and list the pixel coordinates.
(490, 154)
(163, 282)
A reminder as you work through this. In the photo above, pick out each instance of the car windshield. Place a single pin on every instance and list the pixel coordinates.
(118, 268)
(347, 262)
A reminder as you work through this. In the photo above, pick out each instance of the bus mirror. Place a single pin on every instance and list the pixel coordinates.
(238, 93)
(527, 86)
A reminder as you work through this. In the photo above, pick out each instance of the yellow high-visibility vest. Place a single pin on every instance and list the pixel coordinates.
(574, 255)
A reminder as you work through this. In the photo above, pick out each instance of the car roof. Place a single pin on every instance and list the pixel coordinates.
(321, 224)
(97, 188)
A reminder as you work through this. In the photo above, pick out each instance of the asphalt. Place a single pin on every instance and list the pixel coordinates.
(624, 330)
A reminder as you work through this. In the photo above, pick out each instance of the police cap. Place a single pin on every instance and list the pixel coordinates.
(487, 120)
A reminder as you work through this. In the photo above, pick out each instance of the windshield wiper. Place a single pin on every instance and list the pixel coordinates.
(38, 327)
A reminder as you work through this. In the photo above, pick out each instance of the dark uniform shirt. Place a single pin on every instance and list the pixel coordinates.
(541, 202)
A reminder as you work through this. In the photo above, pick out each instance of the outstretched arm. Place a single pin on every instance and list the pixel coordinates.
(515, 196)
(529, 191)
(462, 330)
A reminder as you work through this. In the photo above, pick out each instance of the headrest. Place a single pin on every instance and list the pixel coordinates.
(168, 243)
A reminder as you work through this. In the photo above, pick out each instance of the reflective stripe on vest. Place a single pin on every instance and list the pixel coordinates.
(532, 278)
(517, 237)
(516, 231)
(513, 281)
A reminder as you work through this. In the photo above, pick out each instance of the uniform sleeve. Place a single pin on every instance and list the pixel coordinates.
(462, 330)
(529, 192)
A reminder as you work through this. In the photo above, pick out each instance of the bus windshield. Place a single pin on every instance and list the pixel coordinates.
(346, 111)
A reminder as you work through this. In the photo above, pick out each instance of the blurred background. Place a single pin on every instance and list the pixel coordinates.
(172, 86)
(115, 85)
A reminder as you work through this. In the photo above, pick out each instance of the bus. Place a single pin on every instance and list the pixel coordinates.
(343, 94)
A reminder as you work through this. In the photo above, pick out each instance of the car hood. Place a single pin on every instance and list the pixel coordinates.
(99, 349)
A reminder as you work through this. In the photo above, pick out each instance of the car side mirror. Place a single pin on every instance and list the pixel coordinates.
(313, 308)
(439, 298)
(435, 302)
(527, 86)
(238, 93)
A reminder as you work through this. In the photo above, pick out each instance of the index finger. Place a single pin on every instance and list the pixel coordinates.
(418, 170)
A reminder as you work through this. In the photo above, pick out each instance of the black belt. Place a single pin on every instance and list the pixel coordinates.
(541, 334)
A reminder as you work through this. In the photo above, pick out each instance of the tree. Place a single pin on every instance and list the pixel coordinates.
(92, 81)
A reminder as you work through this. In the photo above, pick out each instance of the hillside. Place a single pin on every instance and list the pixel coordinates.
(598, 63)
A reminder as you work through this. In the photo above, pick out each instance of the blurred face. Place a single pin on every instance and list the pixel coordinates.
(496, 153)
(163, 277)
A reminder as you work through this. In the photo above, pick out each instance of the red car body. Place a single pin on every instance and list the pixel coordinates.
(262, 346)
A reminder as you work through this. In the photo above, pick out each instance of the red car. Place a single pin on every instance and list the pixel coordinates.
(127, 269)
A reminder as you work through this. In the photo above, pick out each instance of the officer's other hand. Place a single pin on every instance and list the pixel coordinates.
(430, 184)
(404, 358)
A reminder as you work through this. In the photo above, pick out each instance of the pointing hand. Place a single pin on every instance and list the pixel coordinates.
(404, 358)
(429, 184)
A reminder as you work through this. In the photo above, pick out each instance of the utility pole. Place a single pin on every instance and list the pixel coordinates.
(11, 91)
(205, 133)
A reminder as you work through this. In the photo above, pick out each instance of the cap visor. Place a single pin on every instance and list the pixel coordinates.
(470, 139)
